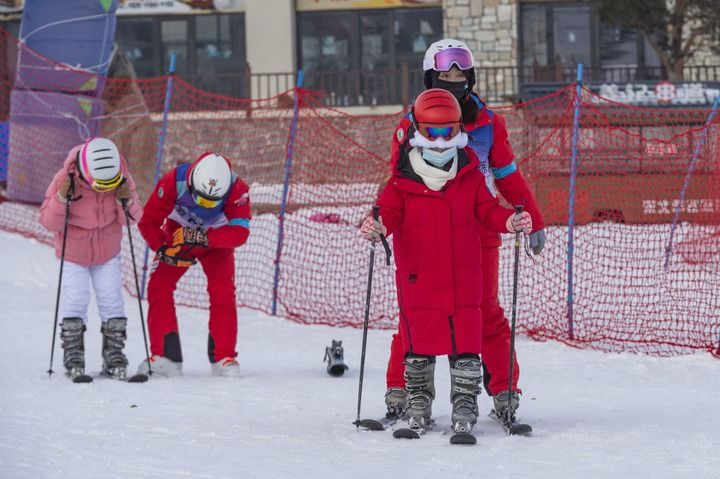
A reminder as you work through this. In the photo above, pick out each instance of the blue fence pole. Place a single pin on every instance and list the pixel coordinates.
(688, 177)
(571, 199)
(286, 188)
(159, 153)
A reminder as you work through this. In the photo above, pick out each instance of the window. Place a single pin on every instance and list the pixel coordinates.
(415, 30)
(554, 37)
(210, 49)
(137, 39)
(327, 41)
(174, 39)
(618, 46)
(366, 40)
(571, 34)
(374, 42)
(535, 36)
(357, 55)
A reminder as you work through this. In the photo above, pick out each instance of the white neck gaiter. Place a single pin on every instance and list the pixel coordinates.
(434, 178)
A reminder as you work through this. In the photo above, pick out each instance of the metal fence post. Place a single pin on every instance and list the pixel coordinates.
(159, 152)
(571, 199)
(286, 188)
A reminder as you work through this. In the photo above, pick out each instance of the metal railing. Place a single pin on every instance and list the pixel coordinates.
(399, 86)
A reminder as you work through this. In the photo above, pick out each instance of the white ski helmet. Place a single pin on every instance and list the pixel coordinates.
(99, 164)
(211, 176)
(442, 55)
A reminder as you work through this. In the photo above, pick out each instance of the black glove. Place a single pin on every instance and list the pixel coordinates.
(171, 256)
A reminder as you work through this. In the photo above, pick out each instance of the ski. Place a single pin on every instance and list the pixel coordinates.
(512, 427)
(377, 424)
(77, 375)
(466, 438)
(462, 433)
(136, 378)
(412, 432)
(82, 379)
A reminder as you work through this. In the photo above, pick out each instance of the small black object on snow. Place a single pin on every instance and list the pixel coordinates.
(334, 356)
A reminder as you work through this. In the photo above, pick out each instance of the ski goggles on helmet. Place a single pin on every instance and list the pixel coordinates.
(102, 186)
(434, 132)
(204, 201)
(445, 59)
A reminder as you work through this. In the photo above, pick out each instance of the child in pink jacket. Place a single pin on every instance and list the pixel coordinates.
(95, 180)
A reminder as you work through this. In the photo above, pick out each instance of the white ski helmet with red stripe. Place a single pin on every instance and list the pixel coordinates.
(210, 176)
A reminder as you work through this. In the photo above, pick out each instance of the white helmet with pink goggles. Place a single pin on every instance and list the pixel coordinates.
(99, 164)
(442, 55)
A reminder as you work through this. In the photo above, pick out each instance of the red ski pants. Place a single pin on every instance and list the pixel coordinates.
(219, 267)
(495, 335)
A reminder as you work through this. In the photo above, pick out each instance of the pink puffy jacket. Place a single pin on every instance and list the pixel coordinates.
(96, 219)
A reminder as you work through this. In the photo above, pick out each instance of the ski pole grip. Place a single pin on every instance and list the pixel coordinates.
(383, 240)
(518, 209)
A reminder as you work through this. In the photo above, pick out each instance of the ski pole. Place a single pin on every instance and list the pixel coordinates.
(137, 284)
(516, 265)
(68, 198)
(376, 214)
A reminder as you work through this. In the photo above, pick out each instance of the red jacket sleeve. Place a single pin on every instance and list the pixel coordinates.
(488, 211)
(156, 210)
(508, 179)
(237, 211)
(391, 206)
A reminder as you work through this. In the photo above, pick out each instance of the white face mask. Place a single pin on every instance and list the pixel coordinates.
(438, 158)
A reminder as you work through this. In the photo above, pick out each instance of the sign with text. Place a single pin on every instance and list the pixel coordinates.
(314, 5)
(133, 7)
(660, 94)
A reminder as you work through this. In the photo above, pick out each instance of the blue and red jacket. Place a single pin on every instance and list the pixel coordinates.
(171, 206)
(488, 138)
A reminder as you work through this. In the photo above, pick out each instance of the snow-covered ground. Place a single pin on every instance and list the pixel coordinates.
(595, 415)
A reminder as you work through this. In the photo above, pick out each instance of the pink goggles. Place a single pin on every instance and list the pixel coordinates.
(445, 59)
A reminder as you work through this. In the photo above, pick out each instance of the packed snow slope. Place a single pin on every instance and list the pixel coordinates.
(595, 415)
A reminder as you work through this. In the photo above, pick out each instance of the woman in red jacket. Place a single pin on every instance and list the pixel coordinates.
(449, 64)
(435, 206)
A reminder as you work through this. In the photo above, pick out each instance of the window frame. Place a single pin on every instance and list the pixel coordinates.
(595, 26)
(356, 38)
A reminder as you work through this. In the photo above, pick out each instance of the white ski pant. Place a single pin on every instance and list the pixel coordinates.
(107, 283)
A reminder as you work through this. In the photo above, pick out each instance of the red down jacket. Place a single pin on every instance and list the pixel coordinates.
(437, 242)
(499, 165)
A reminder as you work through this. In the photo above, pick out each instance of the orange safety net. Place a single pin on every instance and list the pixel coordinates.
(632, 164)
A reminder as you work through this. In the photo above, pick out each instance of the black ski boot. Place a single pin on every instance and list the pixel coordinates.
(71, 335)
(334, 355)
(114, 360)
(420, 385)
(466, 379)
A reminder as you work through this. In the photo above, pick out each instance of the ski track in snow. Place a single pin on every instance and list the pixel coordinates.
(595, 415)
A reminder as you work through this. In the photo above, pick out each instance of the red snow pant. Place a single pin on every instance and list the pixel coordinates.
(495, 335)
(219, 267)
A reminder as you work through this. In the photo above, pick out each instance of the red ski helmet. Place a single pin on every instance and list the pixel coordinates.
(437, 114)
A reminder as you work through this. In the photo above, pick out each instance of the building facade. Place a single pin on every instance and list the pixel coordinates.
(369, 52)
